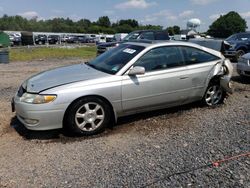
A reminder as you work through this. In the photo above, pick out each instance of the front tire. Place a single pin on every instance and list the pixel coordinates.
(87, 116)
(239, 54)
(214, 95)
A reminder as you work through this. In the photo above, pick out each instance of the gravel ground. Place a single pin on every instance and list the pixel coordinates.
(167, 148)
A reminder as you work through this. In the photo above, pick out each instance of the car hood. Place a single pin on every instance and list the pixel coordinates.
(61, 76)
(246, 56)
(235, 42)
(109, 44)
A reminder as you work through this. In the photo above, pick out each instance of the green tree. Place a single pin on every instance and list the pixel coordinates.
(150, 27)
(103, 21)
(227, 25)
(170, 31)
(131, 22)
(125, 28)
(177, 30)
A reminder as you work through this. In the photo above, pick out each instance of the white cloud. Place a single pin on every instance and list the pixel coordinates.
(168, 16)
(160, 18)
(245, 15)
(134, 4)
(186, 13)
(74, 17)
(215, 16)
(29, 14)
(202, 2)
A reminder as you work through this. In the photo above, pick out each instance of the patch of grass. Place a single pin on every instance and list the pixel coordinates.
(28, 54)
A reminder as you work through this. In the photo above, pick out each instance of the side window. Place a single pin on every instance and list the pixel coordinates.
(196, 56)
(160, 58)
(147, 35)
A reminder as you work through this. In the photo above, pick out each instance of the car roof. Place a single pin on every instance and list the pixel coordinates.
(147, 43)
(154, 43)
(146, 30)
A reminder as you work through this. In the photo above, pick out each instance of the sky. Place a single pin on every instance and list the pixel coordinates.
(157, 12)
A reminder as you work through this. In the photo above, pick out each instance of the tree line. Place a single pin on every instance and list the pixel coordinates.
(223, 27)
(102, 25)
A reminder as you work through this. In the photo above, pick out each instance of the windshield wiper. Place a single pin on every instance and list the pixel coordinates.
(91, 65)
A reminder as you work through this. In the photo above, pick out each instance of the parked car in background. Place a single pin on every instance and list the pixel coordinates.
(136, 35)
(81, 39)
(15, 39)
(215, 44)
(239, 45)
(131, 78)
(40, 39)
(243, 65)
(72, 39)
(105, 38)
(53, 39)
(120, 36)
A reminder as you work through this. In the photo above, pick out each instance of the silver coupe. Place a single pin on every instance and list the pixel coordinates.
(131, 78)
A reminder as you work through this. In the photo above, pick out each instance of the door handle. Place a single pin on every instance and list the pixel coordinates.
(183, 78)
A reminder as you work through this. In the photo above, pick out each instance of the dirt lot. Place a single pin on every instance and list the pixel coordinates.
(167, 148)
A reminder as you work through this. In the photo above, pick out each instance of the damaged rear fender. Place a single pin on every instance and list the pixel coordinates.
(224, 71)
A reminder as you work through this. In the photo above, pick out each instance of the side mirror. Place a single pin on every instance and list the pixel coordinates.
(138, 70)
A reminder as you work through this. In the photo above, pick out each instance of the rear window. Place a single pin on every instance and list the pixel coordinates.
(196, 56)
(161, 36)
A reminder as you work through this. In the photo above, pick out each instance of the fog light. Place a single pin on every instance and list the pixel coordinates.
(31, 121)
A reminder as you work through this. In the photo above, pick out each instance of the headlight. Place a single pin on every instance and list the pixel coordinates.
(37, 99)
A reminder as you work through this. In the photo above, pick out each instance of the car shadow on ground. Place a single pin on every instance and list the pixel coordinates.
(60, 135)
(28, 134)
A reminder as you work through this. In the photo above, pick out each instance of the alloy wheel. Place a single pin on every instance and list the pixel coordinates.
(213, 95)
(89, 116)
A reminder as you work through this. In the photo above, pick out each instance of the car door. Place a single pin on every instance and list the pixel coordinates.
(165, 82)
(199, 65)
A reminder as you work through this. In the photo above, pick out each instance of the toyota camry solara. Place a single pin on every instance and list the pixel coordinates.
(131, 78)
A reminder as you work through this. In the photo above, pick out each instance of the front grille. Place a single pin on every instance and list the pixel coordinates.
(247, 72)
(21, 91)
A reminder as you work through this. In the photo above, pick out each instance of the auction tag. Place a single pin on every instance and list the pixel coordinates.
(129, 50)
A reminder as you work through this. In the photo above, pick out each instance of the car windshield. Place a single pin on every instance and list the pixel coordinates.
(113, 60)
(131, 36)
(240, 37)
(232, 37)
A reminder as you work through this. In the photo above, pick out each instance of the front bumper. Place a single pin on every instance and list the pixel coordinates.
(39, 116)
(243, 69)
(230, 53)
(226, 84)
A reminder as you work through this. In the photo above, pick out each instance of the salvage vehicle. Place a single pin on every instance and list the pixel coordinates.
(243, 66)
(40, 39)
(131, 78)
(239, 45)
(135, 35)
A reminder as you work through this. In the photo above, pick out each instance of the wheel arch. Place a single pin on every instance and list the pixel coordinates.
(214, 78)
(113, 112)
(244, 48)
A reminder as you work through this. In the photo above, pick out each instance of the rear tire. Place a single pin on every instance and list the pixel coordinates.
(87, 116)
(214, 94)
